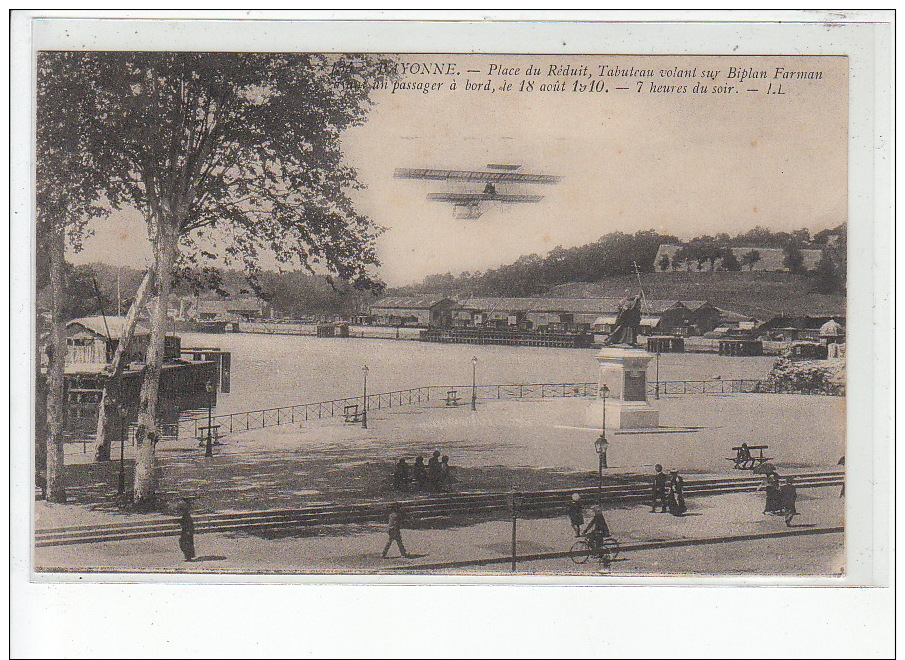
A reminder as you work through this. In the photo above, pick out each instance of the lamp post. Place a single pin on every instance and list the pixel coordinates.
(516, 500)
(474, 391)
(364, 397)
(208, 448)
(601, 445)
(657, 393)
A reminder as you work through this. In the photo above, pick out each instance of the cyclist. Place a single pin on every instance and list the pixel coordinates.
(597, 530)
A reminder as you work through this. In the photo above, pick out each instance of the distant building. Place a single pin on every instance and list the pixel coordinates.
(230, 310)
(556, 315)
(771, 259)
(798, 328)
(94, 340)
(832, 332)
(586, 314)
(425, 311)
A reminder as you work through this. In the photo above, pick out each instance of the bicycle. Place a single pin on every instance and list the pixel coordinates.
(581, 551)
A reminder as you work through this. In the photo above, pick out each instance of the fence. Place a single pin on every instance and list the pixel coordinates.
(304, 412)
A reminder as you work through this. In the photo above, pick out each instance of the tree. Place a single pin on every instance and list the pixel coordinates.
(241, 149)
(826, 275)
(792, 258)
(663, 263)
(702, 249)
(68, 182)
(750, 258)
(729, 261)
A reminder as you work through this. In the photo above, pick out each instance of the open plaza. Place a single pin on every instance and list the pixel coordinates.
(528, 444)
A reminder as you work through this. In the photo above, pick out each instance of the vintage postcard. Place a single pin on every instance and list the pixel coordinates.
(392, 312)
(564, 314)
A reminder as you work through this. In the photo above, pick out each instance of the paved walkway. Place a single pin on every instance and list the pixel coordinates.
(357, 549)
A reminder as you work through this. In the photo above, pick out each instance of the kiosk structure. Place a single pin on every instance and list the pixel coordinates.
(624, 372)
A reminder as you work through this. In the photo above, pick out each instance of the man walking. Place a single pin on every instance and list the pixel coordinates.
(186, 529)
(659, 490)
(394, 530)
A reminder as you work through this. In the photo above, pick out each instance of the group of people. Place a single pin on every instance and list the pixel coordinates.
(781, 496)
(435, 476)
(669, 493)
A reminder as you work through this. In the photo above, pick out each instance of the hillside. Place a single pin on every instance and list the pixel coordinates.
(753, 294)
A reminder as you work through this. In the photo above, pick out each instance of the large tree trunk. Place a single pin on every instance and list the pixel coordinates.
(147, 434)
(56, 406)
(110, 415)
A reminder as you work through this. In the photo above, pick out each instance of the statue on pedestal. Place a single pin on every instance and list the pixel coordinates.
(628, 323)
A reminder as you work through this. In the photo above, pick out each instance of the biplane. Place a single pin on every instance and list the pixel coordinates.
(470, 190)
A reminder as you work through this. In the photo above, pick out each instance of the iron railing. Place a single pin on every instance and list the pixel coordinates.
(304, 412)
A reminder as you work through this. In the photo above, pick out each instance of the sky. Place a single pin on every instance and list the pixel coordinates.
(656, 155)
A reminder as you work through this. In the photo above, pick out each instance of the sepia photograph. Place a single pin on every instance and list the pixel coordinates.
(394, 314)
(305, 312)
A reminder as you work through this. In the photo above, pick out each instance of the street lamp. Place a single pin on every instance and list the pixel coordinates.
(474, 391)
(657, 394)
(208, 448)
(364, 397)
(601, 445)
(516, 500)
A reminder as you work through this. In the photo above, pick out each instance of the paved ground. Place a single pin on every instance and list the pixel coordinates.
(527, 445)
(357, 549)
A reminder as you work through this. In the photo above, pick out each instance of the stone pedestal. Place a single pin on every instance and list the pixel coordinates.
(624, 372)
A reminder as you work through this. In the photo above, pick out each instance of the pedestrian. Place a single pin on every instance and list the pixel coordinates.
(675, 497)
(659, 490)
(774, 499)
(187, 530)
(401, 475)
(433, 471)
(788, 497)
(394, 530)
(576, 516)
(446, 477)
(419, 473)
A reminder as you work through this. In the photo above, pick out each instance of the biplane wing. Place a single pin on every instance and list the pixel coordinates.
(475, 198)
(474, 175)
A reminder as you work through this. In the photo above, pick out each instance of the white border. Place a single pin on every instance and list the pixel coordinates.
(868, 536)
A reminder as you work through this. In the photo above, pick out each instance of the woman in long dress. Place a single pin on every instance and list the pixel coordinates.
(774, 499)
(675, 497)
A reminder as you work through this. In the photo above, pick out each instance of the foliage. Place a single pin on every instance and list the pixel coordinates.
(729, 262)
(242, 149)
(792, 258)
(239, 151)
(830, 274)
(825, 376)
(750, 258)
(611, 255)
(701, 250)
(68, 184)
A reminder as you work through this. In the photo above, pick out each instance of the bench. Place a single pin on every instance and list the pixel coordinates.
(214, 433)
(748, 462)
(351, 414)
(452, 398)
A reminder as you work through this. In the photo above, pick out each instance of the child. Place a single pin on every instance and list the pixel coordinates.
(576, 517)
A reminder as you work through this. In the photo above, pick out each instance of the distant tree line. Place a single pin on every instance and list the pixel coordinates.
(611, 255)
(92, 289)
(617, 253)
